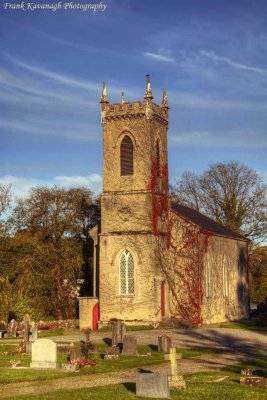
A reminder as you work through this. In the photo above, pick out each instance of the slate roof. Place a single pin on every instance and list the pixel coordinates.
(205, 223)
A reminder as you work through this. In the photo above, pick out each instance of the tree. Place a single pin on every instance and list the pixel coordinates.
(5, 199)
(258, 275)
(230, 193)
(51, 234)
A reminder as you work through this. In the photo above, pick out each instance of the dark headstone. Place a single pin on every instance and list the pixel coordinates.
(252, 381)
(112, 351)
(63, 349)
(164, 343)
(12, 328)
(129, 346)
(75, 354)
(153, 385)
(118, 332)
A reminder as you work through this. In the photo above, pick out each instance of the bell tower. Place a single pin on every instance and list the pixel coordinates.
(135, 167)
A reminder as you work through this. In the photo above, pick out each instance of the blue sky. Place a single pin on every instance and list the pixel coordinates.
(211, 55)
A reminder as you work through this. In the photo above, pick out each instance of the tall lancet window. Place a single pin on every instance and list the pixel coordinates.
(126, 269)
(126, 156)
(158, 157)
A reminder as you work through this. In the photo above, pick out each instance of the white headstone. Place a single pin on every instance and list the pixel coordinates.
(44, 354)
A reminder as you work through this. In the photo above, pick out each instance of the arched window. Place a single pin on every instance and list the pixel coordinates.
(158, 157)
(126, 156)
(126, 268)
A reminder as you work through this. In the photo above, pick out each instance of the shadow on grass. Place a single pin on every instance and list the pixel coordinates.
(153, 347)
(130, 386)
(108, 341)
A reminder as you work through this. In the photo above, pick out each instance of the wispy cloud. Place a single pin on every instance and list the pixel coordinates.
(189, 100)
(159, 57)
(20, 186)
(228, 139)
(243, 67)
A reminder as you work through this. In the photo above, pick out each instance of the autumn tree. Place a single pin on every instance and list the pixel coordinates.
(258, 274)
(51, 229)
(230, 193)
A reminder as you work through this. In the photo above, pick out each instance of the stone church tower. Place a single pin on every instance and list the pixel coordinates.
(134, 172)
(146, 241)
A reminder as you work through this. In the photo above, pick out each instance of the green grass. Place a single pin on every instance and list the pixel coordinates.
(129, 328)
(51, 332)
(198, 390)
(9, 374)
(247, 324)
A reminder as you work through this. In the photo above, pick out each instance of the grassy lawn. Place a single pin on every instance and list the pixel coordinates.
(9, 374)
(249, 324)
(199, 387)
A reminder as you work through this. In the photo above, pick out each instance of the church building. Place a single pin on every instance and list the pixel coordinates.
(155, 260)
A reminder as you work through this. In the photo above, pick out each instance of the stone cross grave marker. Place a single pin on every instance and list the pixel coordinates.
(44, 354)
(175, 380)
(12, 328)
(164, 343)
(129, 346)
(153, 385)
(118, 332)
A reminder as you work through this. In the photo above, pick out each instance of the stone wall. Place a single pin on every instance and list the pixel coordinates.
(228, 298)
(145, 303)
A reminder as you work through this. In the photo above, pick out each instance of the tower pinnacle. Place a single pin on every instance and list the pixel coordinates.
(104, 96)
(122, 98)
(164, 103)
(148, 93)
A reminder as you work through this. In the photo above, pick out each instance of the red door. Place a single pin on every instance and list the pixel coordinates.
(95, 317)
(162, 290)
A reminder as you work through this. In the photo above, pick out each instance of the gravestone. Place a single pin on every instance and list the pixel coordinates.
(28, 347)
(26, 324)
(34, 332)
(164, 343)
(69, 367)
(249, 371)
(129, 346)
(76, 354)
(153, 385)
(175, 380)
(118, 332)
(12, 328)
(112, 353)
(252, 381)
(44, 354)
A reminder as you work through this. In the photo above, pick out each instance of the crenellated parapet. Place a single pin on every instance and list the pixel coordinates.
(138, 109)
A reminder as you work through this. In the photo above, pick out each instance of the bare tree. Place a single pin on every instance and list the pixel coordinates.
(5, 197)
(230, 193)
